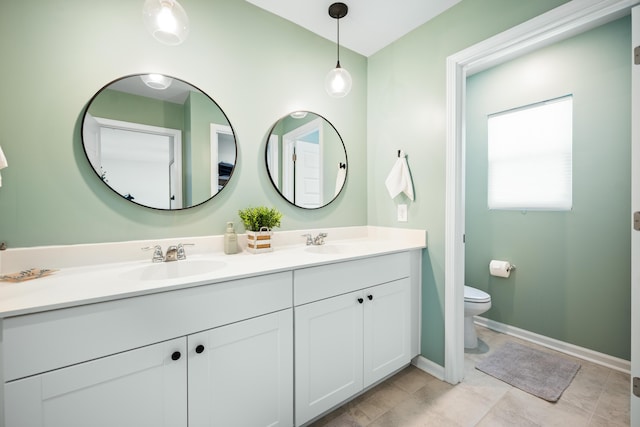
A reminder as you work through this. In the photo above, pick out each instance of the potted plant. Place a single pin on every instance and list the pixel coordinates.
(259, 222)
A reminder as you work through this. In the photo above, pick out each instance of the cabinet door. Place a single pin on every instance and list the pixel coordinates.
(387, 329)
(142, 387)
(242, 374)
(328, 342)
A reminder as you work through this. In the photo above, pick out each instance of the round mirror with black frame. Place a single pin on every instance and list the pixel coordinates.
(306, 159)
(159, 141)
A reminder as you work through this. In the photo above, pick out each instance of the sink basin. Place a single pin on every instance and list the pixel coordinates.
(174, 269)
(327, 249)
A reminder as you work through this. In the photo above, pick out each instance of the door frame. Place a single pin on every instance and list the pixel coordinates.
(175, 135)
(635, 206)
(565, 21)
(215, 130)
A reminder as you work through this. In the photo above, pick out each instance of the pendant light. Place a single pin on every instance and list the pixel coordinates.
(166, 20)
(338, 81)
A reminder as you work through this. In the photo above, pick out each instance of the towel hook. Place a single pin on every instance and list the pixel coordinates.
(399, 153)
(342, 166)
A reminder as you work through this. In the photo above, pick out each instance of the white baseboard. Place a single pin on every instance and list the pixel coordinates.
(557, 345)
(429, 367)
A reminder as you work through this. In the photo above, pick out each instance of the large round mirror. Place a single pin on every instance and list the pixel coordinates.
(306, 159)
(158, 141)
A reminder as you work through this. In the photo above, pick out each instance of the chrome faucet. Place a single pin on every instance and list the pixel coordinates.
(174, 253)
(316, 241)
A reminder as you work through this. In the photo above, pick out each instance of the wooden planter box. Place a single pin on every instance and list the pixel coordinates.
(259, 241)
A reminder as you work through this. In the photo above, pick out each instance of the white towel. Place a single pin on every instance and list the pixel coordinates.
(3, 163)
(340, 178)
(399, 179)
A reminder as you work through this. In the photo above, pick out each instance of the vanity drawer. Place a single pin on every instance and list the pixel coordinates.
(316, 283)
(45, 341)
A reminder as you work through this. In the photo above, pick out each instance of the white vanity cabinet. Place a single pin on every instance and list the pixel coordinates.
(242, 374)
(353, 328)
(276, 342)
(142, 387)
(143, 362)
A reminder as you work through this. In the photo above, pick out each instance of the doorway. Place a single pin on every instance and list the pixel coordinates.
(223, 156)
(302, 175)
(140, 162)
(563, 22)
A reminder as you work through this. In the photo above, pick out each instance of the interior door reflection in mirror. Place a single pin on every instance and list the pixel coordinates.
(160, 143)
(306, 159)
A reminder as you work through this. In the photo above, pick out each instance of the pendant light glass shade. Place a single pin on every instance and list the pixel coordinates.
(338, 82)
(166, 20)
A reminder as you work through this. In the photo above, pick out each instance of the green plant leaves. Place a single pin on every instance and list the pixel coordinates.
(255, 218)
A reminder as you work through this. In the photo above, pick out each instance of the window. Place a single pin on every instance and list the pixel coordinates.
(530, 157)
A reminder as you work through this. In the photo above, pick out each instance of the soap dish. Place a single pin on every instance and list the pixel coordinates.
(32, 273)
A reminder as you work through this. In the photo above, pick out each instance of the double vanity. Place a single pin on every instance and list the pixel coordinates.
(278, 339)
(111, 338)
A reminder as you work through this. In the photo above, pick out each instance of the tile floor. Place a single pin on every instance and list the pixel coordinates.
(596, 397)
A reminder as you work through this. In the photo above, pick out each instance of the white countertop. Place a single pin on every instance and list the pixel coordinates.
(101, 272)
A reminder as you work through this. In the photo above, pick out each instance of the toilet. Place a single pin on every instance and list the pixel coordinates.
(475, 302)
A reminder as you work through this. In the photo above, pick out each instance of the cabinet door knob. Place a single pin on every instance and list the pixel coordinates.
(360, 300)
(176, 355)
(370, 297)
(199, 348)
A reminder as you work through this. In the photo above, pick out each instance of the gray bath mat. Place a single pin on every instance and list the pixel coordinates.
(542, 374)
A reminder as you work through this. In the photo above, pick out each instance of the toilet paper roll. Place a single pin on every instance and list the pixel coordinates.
(500, 268)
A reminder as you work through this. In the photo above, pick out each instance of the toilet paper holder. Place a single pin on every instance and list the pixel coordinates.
(501, 268)
(510, 268)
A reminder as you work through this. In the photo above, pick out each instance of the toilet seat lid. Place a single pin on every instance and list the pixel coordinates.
(475, 295)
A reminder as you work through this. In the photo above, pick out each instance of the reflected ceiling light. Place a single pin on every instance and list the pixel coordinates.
(298, 114)
(156, 81)
(338, 81)
(166, 20)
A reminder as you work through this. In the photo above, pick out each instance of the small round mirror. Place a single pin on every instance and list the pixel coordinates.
(159, 141)
(306, 159)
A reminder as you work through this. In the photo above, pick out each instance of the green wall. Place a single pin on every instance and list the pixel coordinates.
(406, 109)
(573, 268)
(256, 66)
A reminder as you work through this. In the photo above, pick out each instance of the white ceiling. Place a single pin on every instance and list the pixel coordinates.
(369, 26)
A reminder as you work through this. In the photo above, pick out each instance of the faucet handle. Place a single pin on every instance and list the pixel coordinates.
(319, 239)
(157, 252)
(181, 252)
(309, 238)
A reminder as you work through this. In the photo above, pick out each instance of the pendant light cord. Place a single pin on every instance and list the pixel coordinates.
(338, 43)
